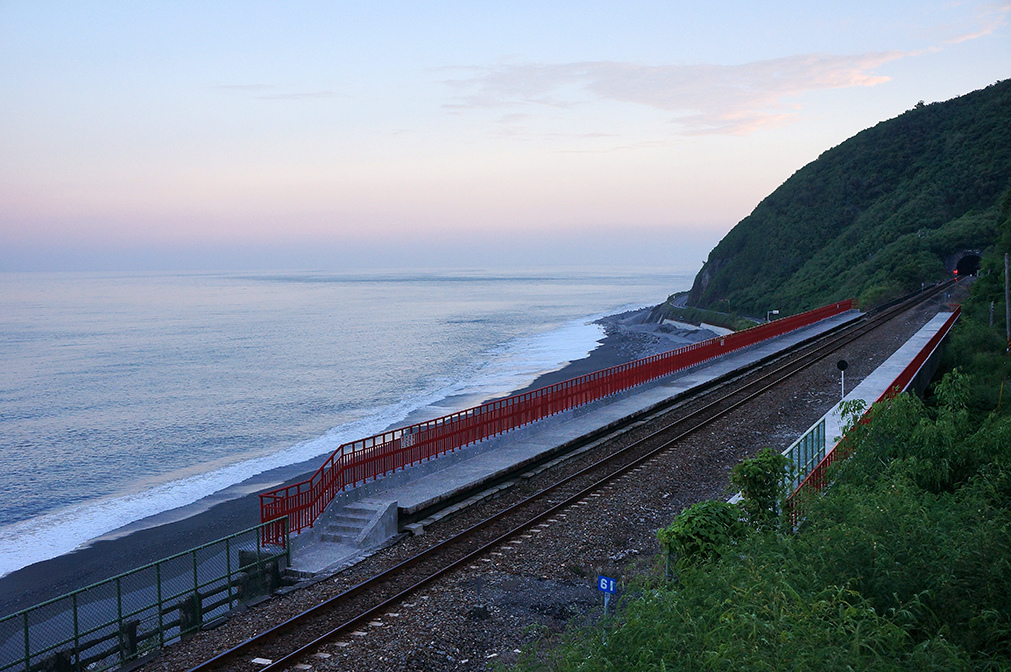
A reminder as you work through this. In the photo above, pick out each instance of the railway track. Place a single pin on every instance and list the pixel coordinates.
(289, 642)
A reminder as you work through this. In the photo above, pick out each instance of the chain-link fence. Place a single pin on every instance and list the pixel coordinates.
(116, 620)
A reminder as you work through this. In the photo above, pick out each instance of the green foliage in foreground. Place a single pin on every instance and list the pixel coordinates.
(903, 564)
(701, 533)
(760, 480)
(711, 529)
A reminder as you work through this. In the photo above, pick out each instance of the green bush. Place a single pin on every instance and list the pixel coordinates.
(701, 532)
(761, 481)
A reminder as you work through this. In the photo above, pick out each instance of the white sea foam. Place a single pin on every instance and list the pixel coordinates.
(508, 367)
(516, 364)
(60, 532)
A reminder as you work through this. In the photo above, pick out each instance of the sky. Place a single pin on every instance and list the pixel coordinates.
(334, 136)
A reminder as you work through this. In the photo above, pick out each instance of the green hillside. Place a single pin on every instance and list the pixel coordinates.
(873, 217)
(904, 562)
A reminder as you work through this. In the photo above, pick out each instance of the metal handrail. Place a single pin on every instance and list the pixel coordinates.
(358, 461)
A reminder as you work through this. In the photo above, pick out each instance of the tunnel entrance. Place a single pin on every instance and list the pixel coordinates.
(967, 265)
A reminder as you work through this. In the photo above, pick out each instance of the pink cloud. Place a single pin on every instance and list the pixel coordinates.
(706, 98)
(990, 16)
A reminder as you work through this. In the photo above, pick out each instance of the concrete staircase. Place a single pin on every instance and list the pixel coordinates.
(342, 536)
(349, 524)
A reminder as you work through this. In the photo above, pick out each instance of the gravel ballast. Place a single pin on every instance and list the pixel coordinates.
(520, 595)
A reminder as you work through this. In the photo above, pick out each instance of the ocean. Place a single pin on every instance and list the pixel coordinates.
(123, 396)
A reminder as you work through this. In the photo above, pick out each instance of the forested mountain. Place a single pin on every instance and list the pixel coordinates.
(873, 217)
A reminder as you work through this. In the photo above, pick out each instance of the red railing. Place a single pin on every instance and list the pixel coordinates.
(378, 455)
(818, 478)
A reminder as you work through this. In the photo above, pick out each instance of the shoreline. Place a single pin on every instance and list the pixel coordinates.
(237, 508)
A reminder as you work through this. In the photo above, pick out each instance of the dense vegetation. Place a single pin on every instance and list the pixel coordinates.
(873, 217)
(903, 564)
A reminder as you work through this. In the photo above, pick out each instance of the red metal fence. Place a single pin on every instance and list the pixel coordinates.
(378, 455)
(818, 478)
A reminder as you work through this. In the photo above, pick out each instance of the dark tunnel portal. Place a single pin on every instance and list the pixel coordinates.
(968, 265)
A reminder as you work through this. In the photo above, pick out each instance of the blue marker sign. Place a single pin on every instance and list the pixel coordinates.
(606, 584)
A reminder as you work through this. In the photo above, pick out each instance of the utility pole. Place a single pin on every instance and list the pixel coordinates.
(1007, 302)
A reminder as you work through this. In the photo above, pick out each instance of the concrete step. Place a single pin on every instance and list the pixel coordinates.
(351, 521)
(357, 511)
(363, 517)
(298, 574)
(348, 523)
(346, 533)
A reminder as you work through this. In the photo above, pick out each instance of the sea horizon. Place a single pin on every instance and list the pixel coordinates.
(175, 386)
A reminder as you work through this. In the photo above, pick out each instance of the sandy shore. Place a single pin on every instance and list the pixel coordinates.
(237, 508)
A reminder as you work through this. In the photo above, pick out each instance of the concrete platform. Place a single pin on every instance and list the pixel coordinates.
(472, 473)
(874, 385)
(871, 388)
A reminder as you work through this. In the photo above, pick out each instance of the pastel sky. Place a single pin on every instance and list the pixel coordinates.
(334, 135)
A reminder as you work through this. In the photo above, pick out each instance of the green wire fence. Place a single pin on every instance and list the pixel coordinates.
(120, 619)
(805, 454)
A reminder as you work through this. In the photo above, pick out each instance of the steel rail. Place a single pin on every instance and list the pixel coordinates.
(705, 415)
(375, 456)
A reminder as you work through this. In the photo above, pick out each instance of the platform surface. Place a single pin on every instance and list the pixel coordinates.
(421, 486)
(878, 381)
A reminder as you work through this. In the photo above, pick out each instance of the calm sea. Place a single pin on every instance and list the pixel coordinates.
(124, 396)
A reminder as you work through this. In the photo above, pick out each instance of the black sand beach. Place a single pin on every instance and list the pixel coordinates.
(237, 508)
